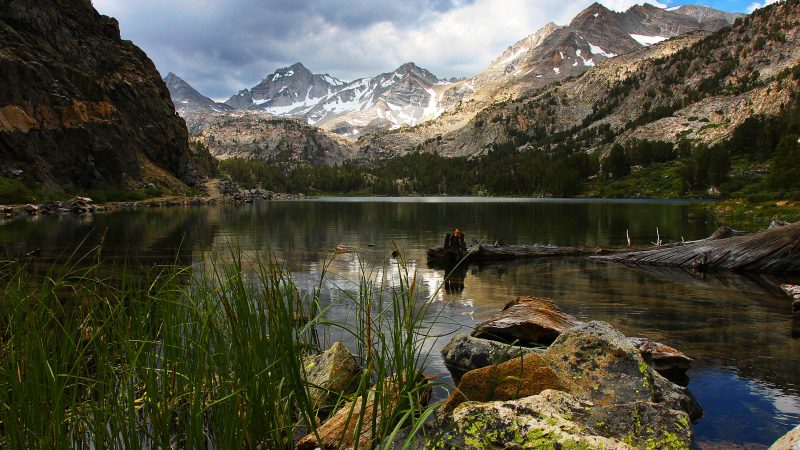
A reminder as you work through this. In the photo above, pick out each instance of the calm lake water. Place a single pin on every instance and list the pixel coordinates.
(738, 328)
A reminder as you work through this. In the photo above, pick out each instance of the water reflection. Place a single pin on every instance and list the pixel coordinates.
(738, 328)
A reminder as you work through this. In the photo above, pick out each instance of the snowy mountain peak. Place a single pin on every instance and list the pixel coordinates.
(410, 68)
(188, 100)
(291, 90)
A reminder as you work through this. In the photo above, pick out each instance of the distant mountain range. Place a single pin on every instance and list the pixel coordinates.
(411, 96)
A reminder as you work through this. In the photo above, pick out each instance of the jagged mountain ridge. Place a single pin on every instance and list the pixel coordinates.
(709, 18)
(289, 91)
(188, 100)
(555, 53)
(699, 87)
(412, 96)
(405, 96)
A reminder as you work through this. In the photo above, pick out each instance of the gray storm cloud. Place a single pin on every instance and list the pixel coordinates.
(222, 46)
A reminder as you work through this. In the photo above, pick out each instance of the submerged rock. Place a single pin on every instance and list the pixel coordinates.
(660, 357)
(331, 373)
(527, 320)
(663, 358)
(464, 353)
(789, 441)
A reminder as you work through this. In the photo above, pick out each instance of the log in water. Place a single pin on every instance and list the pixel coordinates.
(776, 250)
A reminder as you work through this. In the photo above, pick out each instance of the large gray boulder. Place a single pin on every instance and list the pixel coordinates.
(533, 321)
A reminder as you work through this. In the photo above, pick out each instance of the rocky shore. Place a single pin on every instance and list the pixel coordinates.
(229, 193)
(533, 376)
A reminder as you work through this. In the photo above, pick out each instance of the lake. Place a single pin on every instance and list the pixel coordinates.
(738, 328)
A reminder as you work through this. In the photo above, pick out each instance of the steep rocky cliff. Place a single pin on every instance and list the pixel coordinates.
(80, 107)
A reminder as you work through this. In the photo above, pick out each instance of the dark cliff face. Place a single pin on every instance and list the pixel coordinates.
(79, 107)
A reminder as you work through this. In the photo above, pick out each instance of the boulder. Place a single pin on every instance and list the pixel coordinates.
(596, 362)
(464, 353)
(663, 358)
(789, 441)
(520, 377)
(331, 373)
(555, 419)
(527, 320)
(592, 364)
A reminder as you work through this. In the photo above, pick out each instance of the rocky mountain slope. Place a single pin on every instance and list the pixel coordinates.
(549, 56)
(80, 107)
(259, 135)
(188, 100)
(698, 86)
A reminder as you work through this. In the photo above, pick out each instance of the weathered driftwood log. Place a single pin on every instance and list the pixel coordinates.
(347, 428)
(526, 321)
(442, 257)
(772, 251)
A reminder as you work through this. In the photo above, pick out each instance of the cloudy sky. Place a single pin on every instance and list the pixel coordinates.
(221, 46)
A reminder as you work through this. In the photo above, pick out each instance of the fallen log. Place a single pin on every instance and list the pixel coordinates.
(776, 250)
(455, 251)
(445, 257)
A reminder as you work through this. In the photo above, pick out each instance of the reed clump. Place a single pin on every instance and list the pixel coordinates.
(206, 356)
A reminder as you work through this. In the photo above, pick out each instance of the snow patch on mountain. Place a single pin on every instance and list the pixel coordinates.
(596, 50)
(648, 40)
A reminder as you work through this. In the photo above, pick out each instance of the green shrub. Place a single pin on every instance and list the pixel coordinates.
(13, 191)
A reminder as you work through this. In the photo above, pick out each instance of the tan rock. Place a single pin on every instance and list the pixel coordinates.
(520, 377)
(790, 441)
(331, 374)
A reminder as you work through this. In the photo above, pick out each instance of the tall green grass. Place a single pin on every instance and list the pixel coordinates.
(209, 356)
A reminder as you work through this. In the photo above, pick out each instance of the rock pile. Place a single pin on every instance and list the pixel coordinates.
(229, 189)
(563, 384)
(537, 322)
(590, 389)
